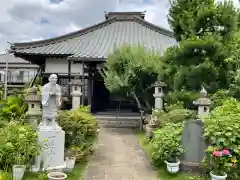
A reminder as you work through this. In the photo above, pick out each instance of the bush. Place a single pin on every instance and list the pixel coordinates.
(222, 127)
(13, 108)
(165, 144)
(219, 97)
(186, 97)
(173, 115)
(80, 127)
(178, 115)
(18, 145)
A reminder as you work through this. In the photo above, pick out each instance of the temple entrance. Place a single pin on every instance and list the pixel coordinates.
(100, 97)
(103, 100)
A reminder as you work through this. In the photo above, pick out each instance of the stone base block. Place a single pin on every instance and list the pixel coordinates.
(52, 156)
(191, 167)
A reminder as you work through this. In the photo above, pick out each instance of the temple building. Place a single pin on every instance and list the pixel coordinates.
(83, 53)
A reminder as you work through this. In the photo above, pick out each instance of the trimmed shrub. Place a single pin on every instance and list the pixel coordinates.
(81, 129)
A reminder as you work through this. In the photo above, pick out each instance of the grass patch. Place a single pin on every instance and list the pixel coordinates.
(161, 171)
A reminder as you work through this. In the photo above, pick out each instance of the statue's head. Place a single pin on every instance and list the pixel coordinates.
(53, 78)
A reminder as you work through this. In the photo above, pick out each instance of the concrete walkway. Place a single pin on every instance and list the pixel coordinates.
(119, 157)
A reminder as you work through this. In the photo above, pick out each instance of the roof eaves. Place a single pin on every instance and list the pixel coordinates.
(40, 54)
(86, 59)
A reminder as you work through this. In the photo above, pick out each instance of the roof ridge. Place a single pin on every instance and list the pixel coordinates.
(156, 27)
(62, 37)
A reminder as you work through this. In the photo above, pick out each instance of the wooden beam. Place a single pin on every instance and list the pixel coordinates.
(83, 84)
(69, 76)
(36, 75)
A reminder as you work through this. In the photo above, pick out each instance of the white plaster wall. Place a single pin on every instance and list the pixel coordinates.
(60, 66)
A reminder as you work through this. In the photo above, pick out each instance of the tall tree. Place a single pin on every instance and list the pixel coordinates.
(204, 30)
(132, 70)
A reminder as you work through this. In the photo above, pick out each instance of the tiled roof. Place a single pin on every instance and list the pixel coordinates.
(13, 60)
(101, 39)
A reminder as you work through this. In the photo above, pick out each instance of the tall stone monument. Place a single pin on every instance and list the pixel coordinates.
(159, 95)
(203, 104)
(76, 93)
(50, 133)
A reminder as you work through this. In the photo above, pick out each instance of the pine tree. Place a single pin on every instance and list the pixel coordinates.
(204, 30)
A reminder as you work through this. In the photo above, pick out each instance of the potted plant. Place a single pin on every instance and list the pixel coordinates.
(219, 161)
(56, 176)
(19, 168)
(165, 146)
(70, 160)
(172, 160)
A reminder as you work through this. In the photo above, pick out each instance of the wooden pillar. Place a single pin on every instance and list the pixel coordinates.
(69, 76)
(90, 84)
(83, 83)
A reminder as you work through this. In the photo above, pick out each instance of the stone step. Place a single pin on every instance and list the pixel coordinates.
(114, 113)
(119, 124)
(116, 118)
(111, 121)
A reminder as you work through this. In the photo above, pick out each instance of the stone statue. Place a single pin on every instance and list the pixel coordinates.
(51, 101)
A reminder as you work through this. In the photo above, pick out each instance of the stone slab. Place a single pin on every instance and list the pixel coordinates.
(53, 148)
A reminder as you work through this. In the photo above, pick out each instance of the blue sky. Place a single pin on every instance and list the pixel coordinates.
(27, 20)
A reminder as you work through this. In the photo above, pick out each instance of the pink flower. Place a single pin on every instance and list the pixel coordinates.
(225, 152)
(217, 153)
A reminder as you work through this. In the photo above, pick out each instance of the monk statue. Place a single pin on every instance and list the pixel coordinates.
(51, 101)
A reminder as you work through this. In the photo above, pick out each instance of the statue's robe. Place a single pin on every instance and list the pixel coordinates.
(50, 102)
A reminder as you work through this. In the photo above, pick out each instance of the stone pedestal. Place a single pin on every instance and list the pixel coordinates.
(52, 155)
(194, 145)
(76, 99)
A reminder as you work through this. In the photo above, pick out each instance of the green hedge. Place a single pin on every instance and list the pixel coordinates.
(81, 129)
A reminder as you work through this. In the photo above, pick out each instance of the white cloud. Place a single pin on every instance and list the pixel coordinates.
(27, 20)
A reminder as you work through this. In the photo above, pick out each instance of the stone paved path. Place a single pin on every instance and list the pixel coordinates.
(119, 157)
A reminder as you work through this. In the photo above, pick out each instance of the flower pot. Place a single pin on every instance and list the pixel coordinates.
(18, 171)
(216, 177)
(150, 128)
(70, 163)
(56, 176)
(173, 167)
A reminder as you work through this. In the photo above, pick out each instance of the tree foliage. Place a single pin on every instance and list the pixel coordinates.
(131, 70)
(204, 30)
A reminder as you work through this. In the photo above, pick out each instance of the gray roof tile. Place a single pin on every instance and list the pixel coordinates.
(101, 39)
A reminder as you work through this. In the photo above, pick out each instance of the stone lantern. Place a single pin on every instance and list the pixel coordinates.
(203, 104)
(159, 95)
(33, 101)
(76, 88)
